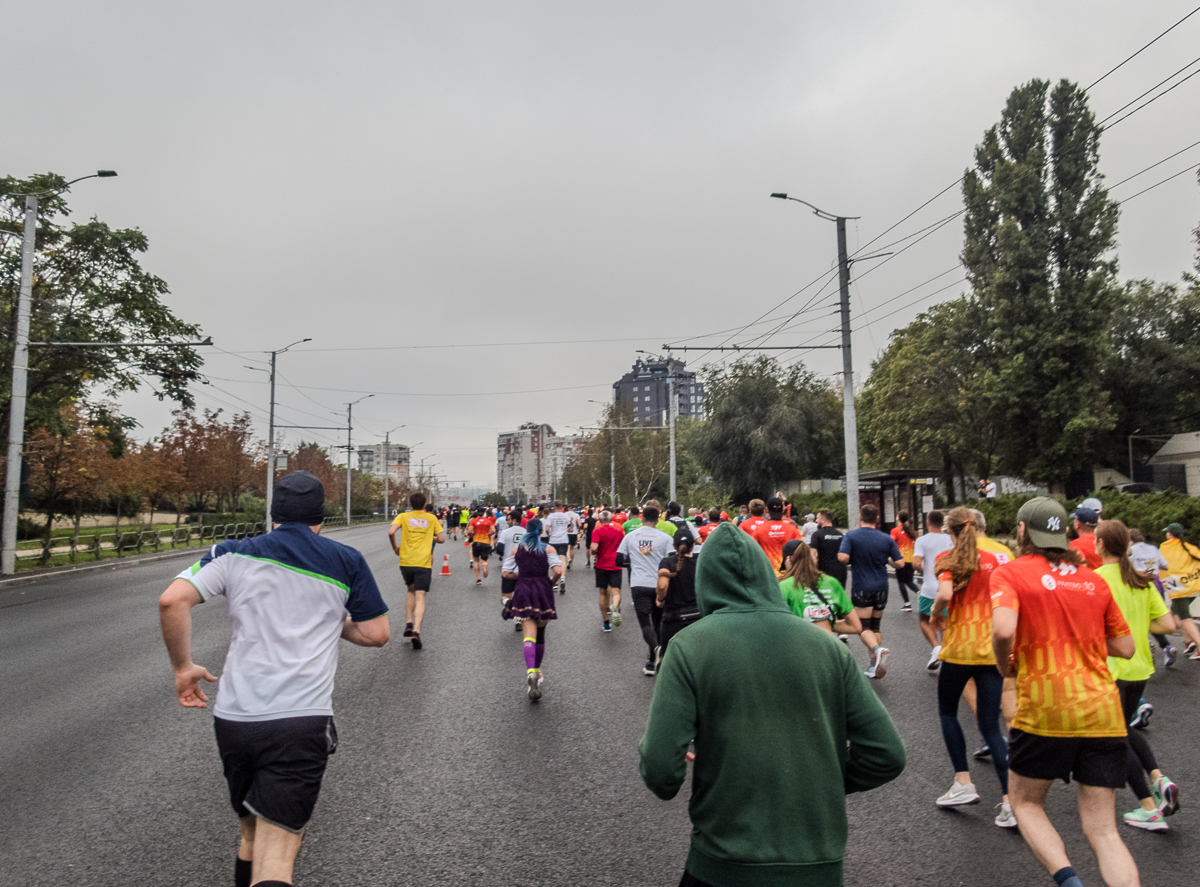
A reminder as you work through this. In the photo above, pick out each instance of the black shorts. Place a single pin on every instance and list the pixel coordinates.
(274, 768)
(481, 549)
(417, 578)
(560, 547)
(507, 586)
(1092, 760)
(608, 579)
(572, 539)
(876, 599)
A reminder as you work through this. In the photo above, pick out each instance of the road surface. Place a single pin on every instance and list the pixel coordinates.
(445, 773)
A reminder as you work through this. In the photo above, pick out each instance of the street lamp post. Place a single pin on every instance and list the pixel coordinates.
(849, 419)
(20, 378)
(271, 432)
(350, 448)
(387, 467)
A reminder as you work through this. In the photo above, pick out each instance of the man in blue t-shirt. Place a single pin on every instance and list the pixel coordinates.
(868, 550)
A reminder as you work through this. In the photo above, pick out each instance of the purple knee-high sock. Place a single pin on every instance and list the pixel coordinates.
(539, 650)
(530, 649)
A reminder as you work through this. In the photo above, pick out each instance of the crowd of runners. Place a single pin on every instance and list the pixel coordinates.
(1049, 644)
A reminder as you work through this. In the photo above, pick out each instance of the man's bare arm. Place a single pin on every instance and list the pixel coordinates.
(175, 617)
(372, 633)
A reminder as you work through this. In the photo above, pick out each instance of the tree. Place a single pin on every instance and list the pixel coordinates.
(1039, 228)
(768, 424)
(923, 406)
(88, 286)
(493, 500)
(642, 460)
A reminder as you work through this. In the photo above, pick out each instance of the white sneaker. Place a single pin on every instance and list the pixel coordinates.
(1005, 818)
(958, 795)
(881, 662)
(934, 662)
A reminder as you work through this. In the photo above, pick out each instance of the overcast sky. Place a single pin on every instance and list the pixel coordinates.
(593, 178)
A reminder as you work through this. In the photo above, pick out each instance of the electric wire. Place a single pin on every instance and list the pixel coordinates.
(1155, 99)
(1144, 48)
(1152, 165)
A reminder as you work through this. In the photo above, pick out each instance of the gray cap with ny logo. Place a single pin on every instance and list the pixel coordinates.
(1045, 521)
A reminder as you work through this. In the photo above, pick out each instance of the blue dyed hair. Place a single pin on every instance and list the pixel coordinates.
(532, 540)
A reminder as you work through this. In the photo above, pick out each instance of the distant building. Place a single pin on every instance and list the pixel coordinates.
(1177, 464)
(645, 389)
(372, 459)
(530, 461)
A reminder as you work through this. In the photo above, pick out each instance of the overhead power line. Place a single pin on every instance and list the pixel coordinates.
(1144, 48)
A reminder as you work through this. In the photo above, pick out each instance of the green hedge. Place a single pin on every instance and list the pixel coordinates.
(835, 503)
(1149, 513)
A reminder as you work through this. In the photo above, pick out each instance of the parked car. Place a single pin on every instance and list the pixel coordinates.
(1138, 489)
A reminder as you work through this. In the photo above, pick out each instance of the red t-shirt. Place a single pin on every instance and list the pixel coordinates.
(904, 542)
(771, 535)
(705, 530)
(751, 524)
(607, 539)
(1086, 545)
(481, 529)
(967, 639)
(1065, 615)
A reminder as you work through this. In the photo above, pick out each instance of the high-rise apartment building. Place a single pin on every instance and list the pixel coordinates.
(645, 389)
(372, 458)
(531, 460)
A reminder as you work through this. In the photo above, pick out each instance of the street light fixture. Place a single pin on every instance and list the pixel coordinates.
(20, 376)
(271, 428)
(387, 466)
(350, 448)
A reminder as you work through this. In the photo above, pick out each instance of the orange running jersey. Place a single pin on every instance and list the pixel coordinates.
(771, 535)
(751, 524)
(481, 528)
(1086, 545)
(904, 542)
(967, 639)
(1065, 615)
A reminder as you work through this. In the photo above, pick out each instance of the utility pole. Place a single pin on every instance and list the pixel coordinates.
(271, 431)
(612, 477)
(672, 409)
(349, 449)
(849, 418)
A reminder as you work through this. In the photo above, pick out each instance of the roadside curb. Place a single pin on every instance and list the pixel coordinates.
(119, 563)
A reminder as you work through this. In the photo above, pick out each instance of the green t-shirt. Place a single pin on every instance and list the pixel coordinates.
(1139, 606)
(632, 524)
(807, 604)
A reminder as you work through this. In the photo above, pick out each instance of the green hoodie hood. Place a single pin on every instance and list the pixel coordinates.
(733, 574)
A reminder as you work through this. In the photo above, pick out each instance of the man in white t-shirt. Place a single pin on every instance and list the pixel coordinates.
(643, 550)
(558, 536)
(926, 551)
(810, 527)
(990, 489)
(506, 546)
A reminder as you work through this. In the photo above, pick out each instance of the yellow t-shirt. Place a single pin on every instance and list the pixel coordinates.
(418, 529)
(1003, 553)
(1139, 606)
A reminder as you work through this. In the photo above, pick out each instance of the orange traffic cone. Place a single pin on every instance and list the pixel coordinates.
(446, 565)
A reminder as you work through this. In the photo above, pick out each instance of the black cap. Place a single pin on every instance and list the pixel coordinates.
(775, 505)
(298, 498)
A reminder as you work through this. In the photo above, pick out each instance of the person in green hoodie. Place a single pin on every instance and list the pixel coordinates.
(779, 740)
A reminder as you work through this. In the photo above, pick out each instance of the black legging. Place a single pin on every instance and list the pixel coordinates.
(1139, 759)
(649, 616)
(989, 686)
(904, 581)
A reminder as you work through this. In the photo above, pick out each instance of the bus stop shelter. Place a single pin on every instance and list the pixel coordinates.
(893, 490)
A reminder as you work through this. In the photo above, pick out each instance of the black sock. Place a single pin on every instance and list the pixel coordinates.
(1163, 640)
(1066, 877)
(241, 873)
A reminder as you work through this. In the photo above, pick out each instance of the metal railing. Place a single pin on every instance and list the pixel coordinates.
(120, 543)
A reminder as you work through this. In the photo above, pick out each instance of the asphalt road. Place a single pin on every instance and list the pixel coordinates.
(445, 773)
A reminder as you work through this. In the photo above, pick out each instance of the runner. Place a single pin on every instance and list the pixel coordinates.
(482, 530)
(827, 542)
(1145, 611)
(743, 514)
(419, 531)
(533, 600)
(810, 526)
(772, 533)
(464, 516)
(572, 535)
(606, 539)
(869, 550)
(926, 551)
(904, 535)
(758, 515)
(1146, 558)
(506, 547)
(664, 524)
(1085, 525)
(1008, 700)
(676, 591)
(557, 530)
(274, 715)
(813, 596)
(714, 521)
(1054, 622)
(589, 527)
(643, 549)
(1181, 579)
(633, 521)
(964, 593)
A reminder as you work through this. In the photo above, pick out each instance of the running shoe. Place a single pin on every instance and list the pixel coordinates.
(1169, 656)
(616, 617)
(844, 638)
(869, 671)
(934, 662)
(408, 629)
(416, 641)
(1150, 820)
(982, 753)
(657, 657)
(562, 586)
(569, 564)
(534, 692)
(506, 611)
(959, 795)
(1005, 818)
(1166, 795)
(1141, 719)
(517, 626)
(648, 669)
(1190, 649)
(479, 582)
(907, 608)
(881, 662)
(607, 626)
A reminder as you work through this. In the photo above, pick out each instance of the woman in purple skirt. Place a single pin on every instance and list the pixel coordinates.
(538, 569)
